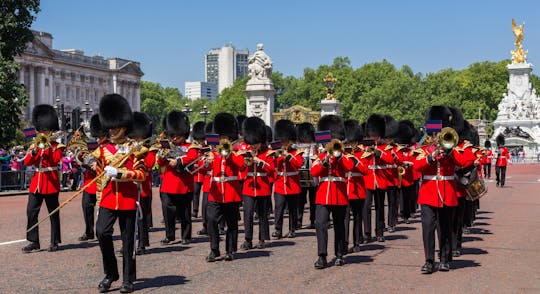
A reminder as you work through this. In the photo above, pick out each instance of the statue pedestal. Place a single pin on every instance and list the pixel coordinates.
(330, 107)
(260, 99)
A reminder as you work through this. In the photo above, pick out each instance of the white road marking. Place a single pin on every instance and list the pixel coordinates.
(12, 242)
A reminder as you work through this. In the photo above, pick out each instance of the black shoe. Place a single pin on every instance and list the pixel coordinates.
(427, 268)
(127, 287)
(229, 257)
(456, 253)
(186, 241)
(291, 235)
(407, 221)
(339, 261)
(355, 248)
(85, 237)
(261, 245)
(222, 232)
(30, 247)
(195, 215)
(391, 229)
(212, 256)
(105, 284)
(299, 226)
(380, 239)
(140, 251)
(310, 226)
(165, 241)
(246, 245)
(466, 231)
(203, 231)
(277, 235)
(53, 247)
(367, 239)
(321, 262)
(444, 267)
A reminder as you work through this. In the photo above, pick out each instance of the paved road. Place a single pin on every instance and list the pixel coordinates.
(502, 255)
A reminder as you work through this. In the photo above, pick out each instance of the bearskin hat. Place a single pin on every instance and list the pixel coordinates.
(441, 113)
(209, 128)
(254, 130)
(143, 126)
(334, 124)
(406, 132)
(284, 130)
(198, 132)
(487, 144)
(176, 123)
(269, 133)
(457, 122)
(240, 119)
(391, 127)
(44, 118)
(467, 132)
(225, 124)
(95, 127)
(500, 140)
(115, 112)
(305, 132)
(353, 131)
(375, 126)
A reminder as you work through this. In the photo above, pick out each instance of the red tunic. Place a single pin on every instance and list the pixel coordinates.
(242, 147)
(467, 155)
(287, 176)
(89, 176)
(404, 159)
(356, 188)
(45, 179)
(174, 181)
(376, 178)
(438, 183)
(502, 156)
(257, 182)
(224, 184)
(146, 186)
(332, 188)
(120, 193)
(488, 156)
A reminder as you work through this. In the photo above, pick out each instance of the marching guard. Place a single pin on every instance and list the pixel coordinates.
(119, 195)
(501, 160)
(306, 144)
(45, 154)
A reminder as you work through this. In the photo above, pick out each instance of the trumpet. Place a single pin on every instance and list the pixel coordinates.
(225, 147)
(335, 147)
(206, 155)
(448, 138)
(41, 141)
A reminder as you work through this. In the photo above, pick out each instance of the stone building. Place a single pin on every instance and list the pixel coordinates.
(73, 79)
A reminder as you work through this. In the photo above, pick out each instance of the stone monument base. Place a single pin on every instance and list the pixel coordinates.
(330, 107)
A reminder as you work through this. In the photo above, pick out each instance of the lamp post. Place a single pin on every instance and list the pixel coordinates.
(87, 110)
(64, 120)
(205, 113)
(187, 110)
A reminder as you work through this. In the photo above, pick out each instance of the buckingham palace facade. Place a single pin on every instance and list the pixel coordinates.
(73, 79)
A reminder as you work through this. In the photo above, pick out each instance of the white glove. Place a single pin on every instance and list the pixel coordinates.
(111, 171)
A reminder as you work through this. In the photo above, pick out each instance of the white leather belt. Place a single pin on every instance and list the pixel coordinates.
(438, 178)
(354, 174)
(288, 174)
(257, 174)
(377, 167)
(391, 166)
(332, 179)
(224, 179)
(46, 169)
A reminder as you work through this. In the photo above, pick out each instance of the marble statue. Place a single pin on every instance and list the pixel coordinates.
(260, 64)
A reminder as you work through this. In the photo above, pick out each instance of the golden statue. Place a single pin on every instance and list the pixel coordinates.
(330, 83)
(518, 54)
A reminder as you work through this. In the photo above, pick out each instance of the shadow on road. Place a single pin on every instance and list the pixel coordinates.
(358, 259)
(484, 212)
(483, 217)
(372, 247)
(474, 251)
(251, 254)
(81, 245)
(280, 243)
(460, 263)
(166, 249)
(398, 228)
(481, 224)
(395, 237)
(305, 234)
(160, 282)
(480, 231)
(471, 238)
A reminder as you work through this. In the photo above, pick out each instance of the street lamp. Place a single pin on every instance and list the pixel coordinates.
(87, 110)
(187, 110)
(205, 113)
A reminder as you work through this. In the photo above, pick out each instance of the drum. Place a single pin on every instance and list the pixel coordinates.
(308, 150)
(469, 179)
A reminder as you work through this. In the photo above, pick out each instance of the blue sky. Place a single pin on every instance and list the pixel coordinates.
(169, 38)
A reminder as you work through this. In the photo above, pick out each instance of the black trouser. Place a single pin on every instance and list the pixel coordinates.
(197, 186)
(376, 195)
(32, 213)
(487, 170)
(292, 202)
(143, 238)
(65, 179)
(149, 220)
(407, 193)
(302, 200)
(439, 219)
(203, 209)
(457, 223)
(177, 205)
(500, 173)
(88, 203)
(250, 205)
(322, 218)
(469, 213)
(356, 207)
(392, 193)
(104, 231)
(216, 212)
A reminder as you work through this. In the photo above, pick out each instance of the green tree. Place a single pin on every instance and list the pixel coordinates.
(16, 17)
(232, 99)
